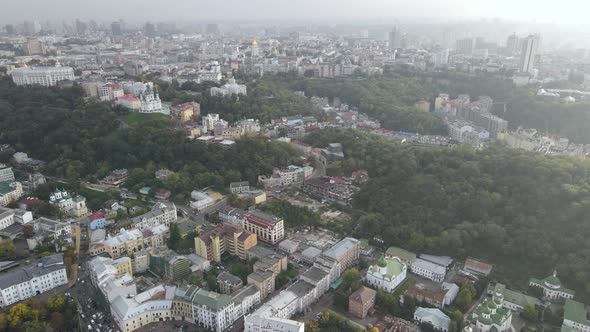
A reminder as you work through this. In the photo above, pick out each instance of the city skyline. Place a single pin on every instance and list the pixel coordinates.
(569, 11)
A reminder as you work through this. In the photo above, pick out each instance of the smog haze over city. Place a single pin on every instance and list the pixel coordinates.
(295, 166)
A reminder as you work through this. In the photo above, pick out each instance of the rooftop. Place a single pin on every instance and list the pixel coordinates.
(213, 301)
(341, 248)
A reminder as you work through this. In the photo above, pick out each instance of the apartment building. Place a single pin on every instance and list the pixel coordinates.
(216, 241)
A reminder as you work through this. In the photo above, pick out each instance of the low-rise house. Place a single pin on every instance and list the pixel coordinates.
(477, 268)
(361, 301)
(289, 246)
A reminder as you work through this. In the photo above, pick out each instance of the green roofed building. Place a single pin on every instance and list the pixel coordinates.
(387, 274)
(491, 315)
(514, 300)
(407, 257)
(575, 317)
(553, 290)
(215, 311)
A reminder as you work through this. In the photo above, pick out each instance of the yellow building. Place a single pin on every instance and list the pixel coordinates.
(123, 265)
(186, 112)
(263, 280)
(216, 241)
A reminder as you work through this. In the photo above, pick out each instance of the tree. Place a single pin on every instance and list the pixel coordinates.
(18, 314)
(175, 238)
(28, 231)
(56, 303)
(530, 313)
(465, 297)
(57, 320)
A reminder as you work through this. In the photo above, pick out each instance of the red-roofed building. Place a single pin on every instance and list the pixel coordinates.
(268, 228)
(477, 267)
(187, 111)
(129, 101)
(361, 302)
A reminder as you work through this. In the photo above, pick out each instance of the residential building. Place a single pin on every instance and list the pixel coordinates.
(109, 92)
(575, 317)
(22, 283)
(245, 299)
(435, 317)
(268, 228)
(361, 301)
(289, 246)
(212, 243)
(491, 315)
(330, 188)
(186, 112)
(209, 121)
(202, 200)
(6, 218)
(387, 274)
(199, 263)
(10, 191)
(429, 270)
(168, 265)
(552, 288)
(422, 106)
(229, 283)
(57, 229)
(292, 175)
(45, 76)
(97, 220)
(161, 213)
(346, 253)
(6, 174)
(133, 312)
(214, 311)
(530, 46)
(129, 101)
(267, 260)
(125, 242)
(264, 281)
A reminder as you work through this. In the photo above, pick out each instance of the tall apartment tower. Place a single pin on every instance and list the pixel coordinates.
(394, 38)
(530, 47)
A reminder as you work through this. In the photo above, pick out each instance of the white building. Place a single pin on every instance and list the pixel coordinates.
(433, 316)
(161, 213)
(231, 88)
(10, 191)
(20, 284)
(387, 274)
(209, 121)
(71, 205)
(46, 76)
(56, 228)
(201, 201)
(212, 310)
(429, 270)
(150, 100)
(6, 218)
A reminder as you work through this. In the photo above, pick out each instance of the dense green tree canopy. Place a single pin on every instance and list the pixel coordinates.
(523, 211)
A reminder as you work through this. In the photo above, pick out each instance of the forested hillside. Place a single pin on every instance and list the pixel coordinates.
(525, 212)
(85, 140)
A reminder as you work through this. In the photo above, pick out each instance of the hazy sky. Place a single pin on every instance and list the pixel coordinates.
(562, 11)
